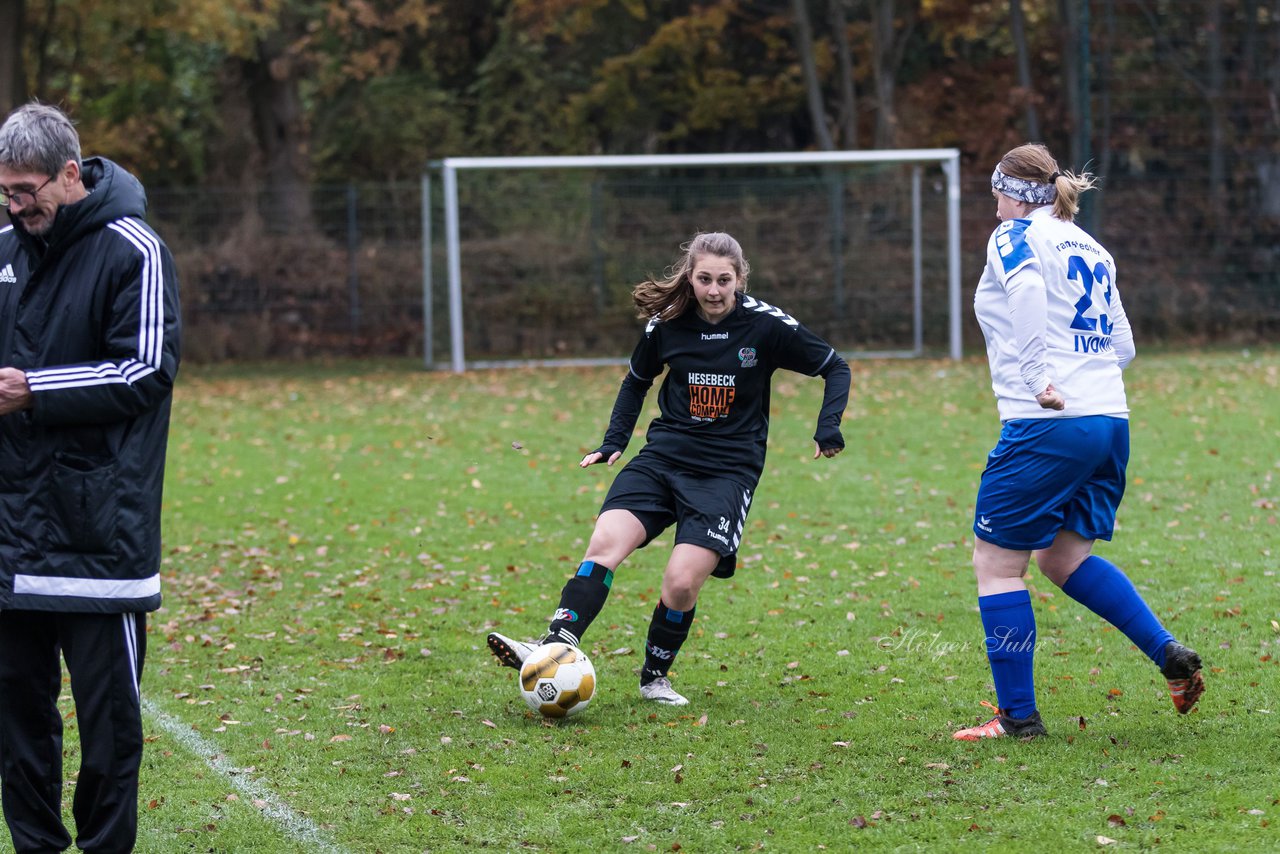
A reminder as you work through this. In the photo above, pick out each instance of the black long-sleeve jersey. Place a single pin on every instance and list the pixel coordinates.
(714, 401)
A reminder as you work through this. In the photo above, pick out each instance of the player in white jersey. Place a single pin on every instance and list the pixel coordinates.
(1057, 340)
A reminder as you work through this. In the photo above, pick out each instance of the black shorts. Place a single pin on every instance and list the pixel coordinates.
(707, 511)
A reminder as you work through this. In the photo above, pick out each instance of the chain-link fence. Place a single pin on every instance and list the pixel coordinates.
(350, 281)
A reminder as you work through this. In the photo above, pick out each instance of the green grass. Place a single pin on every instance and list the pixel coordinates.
(340, 539)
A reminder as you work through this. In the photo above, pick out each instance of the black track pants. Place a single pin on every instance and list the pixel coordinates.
(104, 654)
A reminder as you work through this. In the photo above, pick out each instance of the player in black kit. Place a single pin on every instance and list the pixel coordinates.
(704, 454)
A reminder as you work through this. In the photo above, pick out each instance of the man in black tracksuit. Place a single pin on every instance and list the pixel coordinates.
(89, 341)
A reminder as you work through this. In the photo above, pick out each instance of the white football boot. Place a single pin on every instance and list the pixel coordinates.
(660, 691)
(511, 653)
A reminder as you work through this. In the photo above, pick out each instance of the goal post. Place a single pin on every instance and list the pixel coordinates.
(850, 226)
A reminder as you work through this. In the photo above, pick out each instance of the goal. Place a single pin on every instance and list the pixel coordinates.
(539, 254)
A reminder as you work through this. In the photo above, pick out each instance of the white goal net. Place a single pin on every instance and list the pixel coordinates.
(538, 255)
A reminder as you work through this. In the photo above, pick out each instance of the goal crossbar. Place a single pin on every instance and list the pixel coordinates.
(449, 167)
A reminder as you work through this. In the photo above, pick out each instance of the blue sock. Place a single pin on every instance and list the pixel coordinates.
(1100, 586)
(1010, 625)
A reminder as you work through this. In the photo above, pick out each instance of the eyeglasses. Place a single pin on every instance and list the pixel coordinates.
(22, 198)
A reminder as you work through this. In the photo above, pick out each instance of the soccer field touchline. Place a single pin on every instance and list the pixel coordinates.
(297, 827)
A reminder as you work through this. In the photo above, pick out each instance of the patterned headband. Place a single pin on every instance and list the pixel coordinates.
(1023, 190)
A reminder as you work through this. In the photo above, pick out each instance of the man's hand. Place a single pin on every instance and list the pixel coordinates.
(819, 451)
(15, 394)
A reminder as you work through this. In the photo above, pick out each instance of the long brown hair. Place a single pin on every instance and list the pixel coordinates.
(1033, 162)
(669, 296)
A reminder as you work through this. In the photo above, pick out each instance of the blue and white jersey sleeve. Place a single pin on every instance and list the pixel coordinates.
(1050, 312)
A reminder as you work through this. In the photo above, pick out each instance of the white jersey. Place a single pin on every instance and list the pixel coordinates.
(1049, 308)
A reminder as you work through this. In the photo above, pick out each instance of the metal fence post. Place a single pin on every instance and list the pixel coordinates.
(353, 269)
(428, 332)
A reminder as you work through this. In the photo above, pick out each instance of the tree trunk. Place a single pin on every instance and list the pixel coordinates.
(1215, 90)
(13, 83)
(888, 48)
(848, 121)
(1269, 162)
(280, 127)
(1071, 78)
(1104, 97)
(1018, 27)
(812, 86)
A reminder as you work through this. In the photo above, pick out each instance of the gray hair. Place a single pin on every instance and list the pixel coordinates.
(38, 138)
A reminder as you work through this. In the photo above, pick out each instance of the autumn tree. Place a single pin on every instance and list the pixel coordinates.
(893, 23)
(13, 83)
(846, 71)
(812, 84)
(1018, 31)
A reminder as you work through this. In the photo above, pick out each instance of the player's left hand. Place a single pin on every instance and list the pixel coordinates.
(819, 451)
(598, 457)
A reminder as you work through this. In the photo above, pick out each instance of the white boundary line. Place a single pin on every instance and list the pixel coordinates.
(298, 827)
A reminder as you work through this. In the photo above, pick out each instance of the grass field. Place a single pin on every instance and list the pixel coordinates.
(339, 540)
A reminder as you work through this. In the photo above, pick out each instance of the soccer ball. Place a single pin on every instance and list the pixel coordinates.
(557, 680)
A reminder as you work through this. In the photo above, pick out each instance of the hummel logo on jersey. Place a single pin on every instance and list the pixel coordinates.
(7, 276)
(715, 336)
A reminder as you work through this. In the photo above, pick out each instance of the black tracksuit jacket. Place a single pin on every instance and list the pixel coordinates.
(90, 313)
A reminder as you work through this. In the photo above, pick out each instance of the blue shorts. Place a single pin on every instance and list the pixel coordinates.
(1051, 474)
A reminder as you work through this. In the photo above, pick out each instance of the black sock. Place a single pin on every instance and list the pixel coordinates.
(580, 602)
(667, 632)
